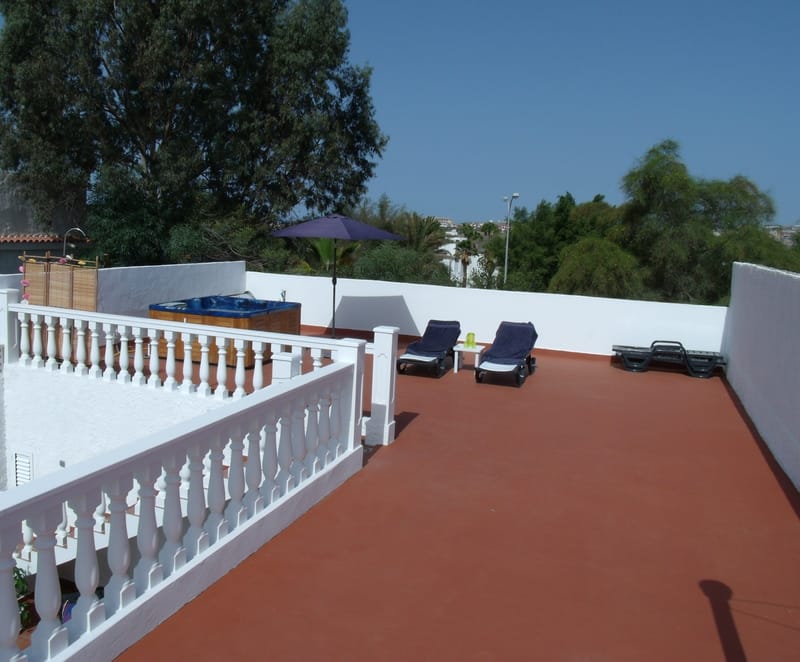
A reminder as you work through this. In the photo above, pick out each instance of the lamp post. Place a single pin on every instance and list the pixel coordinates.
(510, 200)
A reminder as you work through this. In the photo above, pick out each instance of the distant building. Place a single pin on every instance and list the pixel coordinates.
(786, 234)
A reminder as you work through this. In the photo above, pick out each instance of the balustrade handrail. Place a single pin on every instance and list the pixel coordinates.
(312, 342)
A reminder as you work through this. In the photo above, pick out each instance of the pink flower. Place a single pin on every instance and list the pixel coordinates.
(21, 269)
(25, 282)
(26, 296)
(62, 260)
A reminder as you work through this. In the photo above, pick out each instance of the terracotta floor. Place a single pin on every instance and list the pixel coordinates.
(592, 514)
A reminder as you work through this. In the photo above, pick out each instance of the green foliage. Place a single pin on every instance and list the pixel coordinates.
(250, 104)
(394, 262)
(598, 267)
(382, 214)
(22, 590)
(124, 222)
(423, 234)
(325, 251)
(676, 225)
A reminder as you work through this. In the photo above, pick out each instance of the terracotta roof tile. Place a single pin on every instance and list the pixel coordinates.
(29, 238)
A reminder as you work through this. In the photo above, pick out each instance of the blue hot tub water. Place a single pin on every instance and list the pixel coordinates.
(224, 306)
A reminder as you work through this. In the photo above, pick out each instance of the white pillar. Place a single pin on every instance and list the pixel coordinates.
(285, 365)
(380, 428)
(9, 325)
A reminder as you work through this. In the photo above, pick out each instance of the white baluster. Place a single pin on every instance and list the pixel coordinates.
(89, 612)
(27, 541)
(154, 381)
(148, 571)
(236, 513)
(216, 526)
(100, 515)
(196, 539)
(203, 388)
(138, 357)
(221, 392)
(123, 375)
(258, 366)
(337, 442)
(298, 468)
(110, 373)
(239, 373)
(38, 360)
(269, 462)
(61, 528)
(316, 358)
(253, 500)
(52, 363)
(313, 460)
(66, 345)
(186, 385)
(81, 368)
(120, 590)
(284, 476)
(9, 608)
(94, 350)
(173, 555)
(326, 447)
(170, 383)
(24, 339)
(50, 637)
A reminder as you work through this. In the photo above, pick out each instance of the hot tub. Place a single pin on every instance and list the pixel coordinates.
(232, 312)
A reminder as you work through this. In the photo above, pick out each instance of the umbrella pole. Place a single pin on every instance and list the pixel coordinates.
(333, 317)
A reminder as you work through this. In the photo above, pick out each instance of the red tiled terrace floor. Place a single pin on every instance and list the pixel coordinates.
(592, 514)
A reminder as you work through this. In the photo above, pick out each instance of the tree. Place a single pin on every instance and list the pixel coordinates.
(466, 249)
(597, 267)
(423, 234)
(395, 262)
(673, 221)
(251, 103)
(325, 251)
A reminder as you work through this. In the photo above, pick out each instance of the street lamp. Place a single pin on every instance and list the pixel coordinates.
(510, 200)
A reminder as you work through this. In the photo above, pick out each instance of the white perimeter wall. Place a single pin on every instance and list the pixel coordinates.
(588, 325)
(761, 343)
(131, 290)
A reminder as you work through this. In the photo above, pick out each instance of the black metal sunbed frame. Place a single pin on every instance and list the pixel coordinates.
(697, 363)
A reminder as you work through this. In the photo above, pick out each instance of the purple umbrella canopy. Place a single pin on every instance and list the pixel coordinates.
(336, 226)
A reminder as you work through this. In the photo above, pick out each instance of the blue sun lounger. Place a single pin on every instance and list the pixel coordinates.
(510, 352)
(433, 348)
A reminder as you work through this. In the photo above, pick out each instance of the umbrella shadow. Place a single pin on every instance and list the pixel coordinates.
(367, 312)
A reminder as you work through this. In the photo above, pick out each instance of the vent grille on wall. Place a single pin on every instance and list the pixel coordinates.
(23, 468)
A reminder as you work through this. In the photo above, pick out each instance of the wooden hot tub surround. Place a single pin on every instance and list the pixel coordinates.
(230, 312)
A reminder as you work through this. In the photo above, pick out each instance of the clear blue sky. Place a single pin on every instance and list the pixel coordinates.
(483, 99)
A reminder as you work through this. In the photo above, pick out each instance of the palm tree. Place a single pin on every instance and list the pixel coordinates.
(323, 254)
(465, 249)
(423, 234)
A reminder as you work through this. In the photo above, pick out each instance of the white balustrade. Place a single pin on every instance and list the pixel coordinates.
(276, 429)
(87, 337)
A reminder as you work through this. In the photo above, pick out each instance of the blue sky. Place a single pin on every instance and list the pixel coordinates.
(482, 99)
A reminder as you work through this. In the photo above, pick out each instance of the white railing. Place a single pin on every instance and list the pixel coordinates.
(136, 350)
(288, 446)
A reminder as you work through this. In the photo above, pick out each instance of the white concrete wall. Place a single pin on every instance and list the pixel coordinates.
(761, 343)
(10, 281)
(588, 325)
(131, 290)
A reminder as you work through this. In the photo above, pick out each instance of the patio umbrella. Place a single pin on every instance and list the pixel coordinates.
(335, 226)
